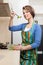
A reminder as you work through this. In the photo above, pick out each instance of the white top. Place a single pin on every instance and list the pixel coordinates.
(27, 29)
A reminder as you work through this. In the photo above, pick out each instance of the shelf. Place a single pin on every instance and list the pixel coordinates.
(4, 10)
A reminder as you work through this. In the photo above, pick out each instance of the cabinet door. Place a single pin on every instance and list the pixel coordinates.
(1, 1)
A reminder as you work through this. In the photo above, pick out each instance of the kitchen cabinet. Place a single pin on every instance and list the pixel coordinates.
(4, 10)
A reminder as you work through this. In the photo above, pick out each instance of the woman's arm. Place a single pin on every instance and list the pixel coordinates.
(37, 40)
(20, 47)
(16, 28)
(38, 34)
(12, 14)
(35, 44)
(11, 27)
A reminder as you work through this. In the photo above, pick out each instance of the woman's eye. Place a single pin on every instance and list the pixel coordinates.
(23, 13)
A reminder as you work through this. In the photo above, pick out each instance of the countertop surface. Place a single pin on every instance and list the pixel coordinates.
(9, 57)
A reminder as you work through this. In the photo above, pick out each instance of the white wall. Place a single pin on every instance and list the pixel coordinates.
(38, 6)
(39, 18)
(17, 35)
(17, 7)
(5, 34)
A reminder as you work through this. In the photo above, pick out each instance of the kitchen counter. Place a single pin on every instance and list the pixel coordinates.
(9, 57)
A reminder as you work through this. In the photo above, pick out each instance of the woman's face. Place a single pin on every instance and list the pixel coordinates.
(27, 14)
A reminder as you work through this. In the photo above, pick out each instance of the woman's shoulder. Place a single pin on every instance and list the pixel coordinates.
(37, 26)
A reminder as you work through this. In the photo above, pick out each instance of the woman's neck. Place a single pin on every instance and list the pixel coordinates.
(30, 21)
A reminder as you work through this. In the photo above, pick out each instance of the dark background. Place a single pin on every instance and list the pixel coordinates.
(40, 56)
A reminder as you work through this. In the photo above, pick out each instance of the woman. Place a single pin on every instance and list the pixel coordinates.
(31, 37)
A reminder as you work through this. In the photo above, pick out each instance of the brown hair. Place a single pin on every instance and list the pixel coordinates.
(30, 9)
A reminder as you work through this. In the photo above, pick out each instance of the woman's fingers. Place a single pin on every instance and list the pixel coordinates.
(12, 14)
(17, 47)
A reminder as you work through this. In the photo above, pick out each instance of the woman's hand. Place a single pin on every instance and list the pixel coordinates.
(18, 47)
(12, 14)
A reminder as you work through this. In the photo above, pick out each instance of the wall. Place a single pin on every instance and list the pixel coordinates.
(39, 18)
(17, 5)
(38, 6)
(5, 34)
(17, 35)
